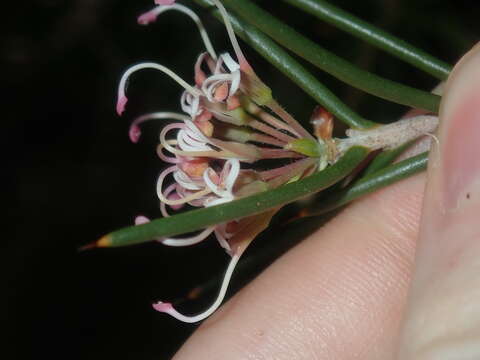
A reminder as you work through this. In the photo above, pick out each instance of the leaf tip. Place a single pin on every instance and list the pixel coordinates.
(104, 241)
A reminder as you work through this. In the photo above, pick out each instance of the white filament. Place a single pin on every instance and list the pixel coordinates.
(159, 116)
(154, 66)
(190, 104)
(216, 304)
(183, 200)
(190, 240)
(231, 33)
(231, 169)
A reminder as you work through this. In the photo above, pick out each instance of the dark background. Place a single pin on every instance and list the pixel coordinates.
(72, 175)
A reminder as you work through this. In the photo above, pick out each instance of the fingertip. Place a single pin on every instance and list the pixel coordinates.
(443, 309)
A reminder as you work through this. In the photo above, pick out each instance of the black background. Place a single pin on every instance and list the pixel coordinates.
(72, 175)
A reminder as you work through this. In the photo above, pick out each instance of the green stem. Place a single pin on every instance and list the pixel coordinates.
(256, 204)
(374, 36)
(330, 63)
(371, 183)
(295, 71)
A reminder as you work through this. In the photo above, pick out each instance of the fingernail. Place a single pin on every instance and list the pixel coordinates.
(460, 132)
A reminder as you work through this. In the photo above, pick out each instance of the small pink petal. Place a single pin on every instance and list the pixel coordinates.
(163, 307)
(140, 220)
(134, 133)
(147, 18)
(121, 102)
(164, 2)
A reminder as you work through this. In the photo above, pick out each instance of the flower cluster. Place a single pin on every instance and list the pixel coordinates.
(234, 140)
(230, 123)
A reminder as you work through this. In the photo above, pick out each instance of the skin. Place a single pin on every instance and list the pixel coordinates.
(355, 289)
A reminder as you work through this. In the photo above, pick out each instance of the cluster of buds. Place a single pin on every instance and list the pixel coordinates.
(218, 147)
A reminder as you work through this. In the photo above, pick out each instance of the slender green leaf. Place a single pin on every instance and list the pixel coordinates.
(279, 58)
(385, 158)
(374, 36)
(331, 63)
(370, 183)
(256, 204)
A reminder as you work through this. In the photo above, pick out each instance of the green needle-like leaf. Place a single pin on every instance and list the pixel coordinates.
(256, 204)
(385, 158)
(279, 58)
(331, 63)
(370, 183)
(374, 36)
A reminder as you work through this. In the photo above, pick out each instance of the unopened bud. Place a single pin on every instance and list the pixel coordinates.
(307, 147)
(322, 122)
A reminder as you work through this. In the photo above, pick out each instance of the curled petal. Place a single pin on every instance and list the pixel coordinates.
(190, 104)
(230, 174)
(135, 132)
(199, 73)
(190, 240)
(166, 158)
(186, 181)
(160, 193)
(170, 194)
(211, 84)
(228, 177)
(121, 97)
(231, 64)
(140, 220)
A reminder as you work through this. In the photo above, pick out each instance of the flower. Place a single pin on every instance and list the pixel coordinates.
(234, 140)
(231, 123)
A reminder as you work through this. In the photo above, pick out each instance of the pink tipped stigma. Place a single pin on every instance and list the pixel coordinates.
(134, 133)
(140, 220)
(163, 307)
(147, 18)
(121, 102)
